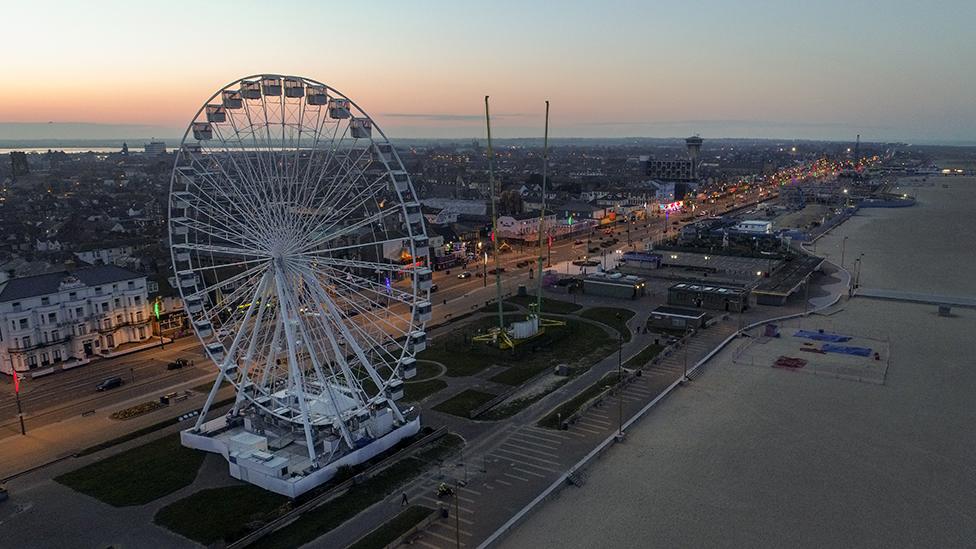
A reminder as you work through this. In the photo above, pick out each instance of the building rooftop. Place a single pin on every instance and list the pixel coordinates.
(49, 283)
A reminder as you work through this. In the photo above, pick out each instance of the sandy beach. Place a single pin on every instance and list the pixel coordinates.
(754, 456)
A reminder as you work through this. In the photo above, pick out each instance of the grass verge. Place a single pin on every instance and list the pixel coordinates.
(322, 520)
(225, 513)
(416, 391)
(568, 408)
(644, 356)
(393, 528)
(138, 475)
(611, 316)
(555, 306)
(462, 403)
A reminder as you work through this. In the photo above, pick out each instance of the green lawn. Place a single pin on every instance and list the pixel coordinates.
(493, 308)
(611, 316)
(568, 408)
(393, 528)
(425, 370)
(560, 344)
(416, 391)
(555, 306)
(221, 514)
(465, 401)
(643, 357)
(316, 523)
(139, 475)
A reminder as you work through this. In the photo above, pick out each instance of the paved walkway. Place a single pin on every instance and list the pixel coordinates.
(910, 297)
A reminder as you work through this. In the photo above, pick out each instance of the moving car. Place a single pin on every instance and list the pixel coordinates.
(433, 287)
(177, 364)
(465, 274)
(110, 383)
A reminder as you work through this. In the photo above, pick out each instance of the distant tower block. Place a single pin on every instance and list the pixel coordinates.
(857, 149)
(694, 144)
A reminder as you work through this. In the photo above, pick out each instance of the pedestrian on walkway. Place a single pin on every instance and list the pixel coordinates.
(404, 501)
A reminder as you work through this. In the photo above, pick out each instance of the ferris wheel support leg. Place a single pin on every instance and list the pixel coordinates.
(293, 362)
(210, 398)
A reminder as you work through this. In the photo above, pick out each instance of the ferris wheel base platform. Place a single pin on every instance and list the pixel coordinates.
(285, 472)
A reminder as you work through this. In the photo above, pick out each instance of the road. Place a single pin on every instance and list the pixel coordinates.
(71, 392)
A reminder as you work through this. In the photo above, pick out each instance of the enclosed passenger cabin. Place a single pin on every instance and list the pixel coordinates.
(193, 305)
(271, 87)
(408, 368)
(229, 369)
(339, 108)
(179, 227)
(413, 213)
(418, 341)
(401, 182)
(181, 199)
(294, 88)
(383, 152)
(361, 128)
(182, 256)
(216, 351)
(232, 99)
(422, 311)
(216, 113)
(316, 96)
(204, 328)
(251, 90)
(394, 391)
(420, 246)
(188, 279)
(425, 279)
(202, 131)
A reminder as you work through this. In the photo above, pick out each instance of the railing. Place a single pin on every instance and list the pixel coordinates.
(39, 345)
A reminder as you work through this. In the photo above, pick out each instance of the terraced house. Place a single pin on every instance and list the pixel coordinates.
(65, 319)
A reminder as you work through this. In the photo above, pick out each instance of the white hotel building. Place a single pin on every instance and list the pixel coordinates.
(60, 320)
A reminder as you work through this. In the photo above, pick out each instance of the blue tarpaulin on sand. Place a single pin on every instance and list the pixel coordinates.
(822, 336)
(857, 351)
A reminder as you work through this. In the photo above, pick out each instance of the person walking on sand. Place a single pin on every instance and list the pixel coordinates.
(404, 501)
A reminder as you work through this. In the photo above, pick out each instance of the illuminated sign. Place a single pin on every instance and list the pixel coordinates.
(672, 206)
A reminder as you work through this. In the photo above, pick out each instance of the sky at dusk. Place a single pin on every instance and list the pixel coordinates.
(889, 70)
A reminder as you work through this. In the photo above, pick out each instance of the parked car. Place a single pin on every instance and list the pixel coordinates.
(499, 270)
(177, 364)
(465, 274)
(110, 383)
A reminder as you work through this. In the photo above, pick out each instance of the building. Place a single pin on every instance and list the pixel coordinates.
(716, 298)
(60, 320)
(524, 225)
(753, 226)
(614, 285)
(155, 148)
(680, 169)
(676, 318)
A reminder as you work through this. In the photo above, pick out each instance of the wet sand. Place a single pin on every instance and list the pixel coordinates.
(764, 457)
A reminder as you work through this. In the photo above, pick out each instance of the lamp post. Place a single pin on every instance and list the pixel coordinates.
(484, 269)
(20, 411)
(620, 395)
(843, 249)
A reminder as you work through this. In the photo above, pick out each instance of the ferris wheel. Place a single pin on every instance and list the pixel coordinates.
(299, 249)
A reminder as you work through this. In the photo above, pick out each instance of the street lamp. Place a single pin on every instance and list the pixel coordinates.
(843, 247)
(484, 268)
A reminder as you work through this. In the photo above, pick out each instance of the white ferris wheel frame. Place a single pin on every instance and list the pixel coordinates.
(274, 255)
